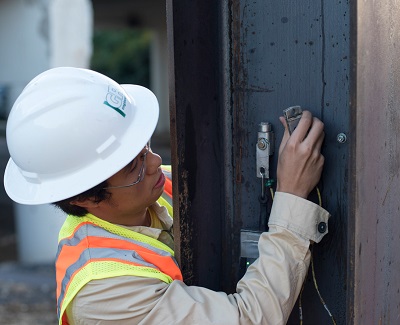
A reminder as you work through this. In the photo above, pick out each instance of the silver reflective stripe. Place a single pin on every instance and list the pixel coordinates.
(167, 198)
(167, 174)
(96, 253)
(99, 253)
(97, 231)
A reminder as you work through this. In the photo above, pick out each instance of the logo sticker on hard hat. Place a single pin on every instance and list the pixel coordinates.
(116, 100)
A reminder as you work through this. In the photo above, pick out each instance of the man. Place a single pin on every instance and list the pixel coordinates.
(80, 140)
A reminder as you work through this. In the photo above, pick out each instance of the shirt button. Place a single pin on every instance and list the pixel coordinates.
(322, 227)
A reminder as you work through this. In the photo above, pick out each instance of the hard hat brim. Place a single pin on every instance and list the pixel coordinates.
(60, 187)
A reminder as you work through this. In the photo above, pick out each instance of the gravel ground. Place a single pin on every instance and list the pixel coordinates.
(27, 293)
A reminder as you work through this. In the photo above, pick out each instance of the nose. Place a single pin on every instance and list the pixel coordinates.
(153, 162)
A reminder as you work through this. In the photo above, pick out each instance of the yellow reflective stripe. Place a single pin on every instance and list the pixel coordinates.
(69, 226)
(72, 222)
(166, 168)
(97, 270)
(162, 201)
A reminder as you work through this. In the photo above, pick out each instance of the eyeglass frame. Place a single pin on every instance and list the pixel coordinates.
(141, 171)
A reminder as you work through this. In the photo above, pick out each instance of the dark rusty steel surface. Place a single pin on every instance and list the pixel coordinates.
(196, 138)
(377, 160)
(237, 63)
(285, 54)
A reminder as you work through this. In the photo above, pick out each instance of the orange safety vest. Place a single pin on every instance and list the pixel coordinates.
(168, 181)
(91, 248)
(166, 198)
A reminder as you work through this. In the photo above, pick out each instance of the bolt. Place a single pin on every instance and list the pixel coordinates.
(262, 144)
(265, 127)
(341, 138)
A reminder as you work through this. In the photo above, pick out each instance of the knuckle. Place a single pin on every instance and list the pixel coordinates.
(318, 123)
(291, 146)
(308, 150)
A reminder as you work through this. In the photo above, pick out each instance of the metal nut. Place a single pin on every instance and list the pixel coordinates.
(262, 144)
(341, 138)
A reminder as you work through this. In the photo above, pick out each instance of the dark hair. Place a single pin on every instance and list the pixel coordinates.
(96, 193)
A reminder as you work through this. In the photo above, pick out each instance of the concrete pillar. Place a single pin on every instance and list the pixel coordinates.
(70, 30)
(159, 78)
(70, 44)
(37, 229)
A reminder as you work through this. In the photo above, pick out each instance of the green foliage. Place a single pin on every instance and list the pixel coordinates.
(123, 55)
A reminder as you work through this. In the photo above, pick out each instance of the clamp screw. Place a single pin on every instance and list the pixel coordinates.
(341, 138)
(262, 144)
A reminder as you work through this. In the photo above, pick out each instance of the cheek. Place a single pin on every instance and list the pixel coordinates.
(137, 195)
(127, 200)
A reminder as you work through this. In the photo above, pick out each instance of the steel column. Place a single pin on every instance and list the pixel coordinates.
(196, 138)
(236, 63)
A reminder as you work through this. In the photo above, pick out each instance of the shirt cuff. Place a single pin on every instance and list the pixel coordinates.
(300, 216)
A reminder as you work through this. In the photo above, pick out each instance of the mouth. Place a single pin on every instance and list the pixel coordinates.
(160, 182)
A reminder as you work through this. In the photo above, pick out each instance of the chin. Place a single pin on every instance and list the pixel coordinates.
(156, 195)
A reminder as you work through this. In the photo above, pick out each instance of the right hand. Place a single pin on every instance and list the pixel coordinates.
(300, 160)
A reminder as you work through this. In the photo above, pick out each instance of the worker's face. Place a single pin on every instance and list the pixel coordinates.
(135, 198)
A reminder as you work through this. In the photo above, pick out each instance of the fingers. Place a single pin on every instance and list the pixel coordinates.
(310, 130)
(302, 128)
(300, 161)
(285, 134)
(316, 134)
(320, 141)
(282, 120)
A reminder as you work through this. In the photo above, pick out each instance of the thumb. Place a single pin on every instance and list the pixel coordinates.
(285, 134)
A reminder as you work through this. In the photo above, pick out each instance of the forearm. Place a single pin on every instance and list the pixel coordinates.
(268, 291)
(274, 281)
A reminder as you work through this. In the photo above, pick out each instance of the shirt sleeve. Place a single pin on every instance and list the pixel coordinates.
(265, 295)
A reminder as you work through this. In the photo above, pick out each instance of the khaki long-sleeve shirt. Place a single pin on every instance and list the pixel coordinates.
(265, 295)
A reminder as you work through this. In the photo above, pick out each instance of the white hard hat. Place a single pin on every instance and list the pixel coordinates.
(71, 129)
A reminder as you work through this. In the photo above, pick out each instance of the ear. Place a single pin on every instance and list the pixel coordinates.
(87, 203)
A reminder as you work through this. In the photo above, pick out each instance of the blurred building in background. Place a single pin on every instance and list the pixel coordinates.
(42, 34)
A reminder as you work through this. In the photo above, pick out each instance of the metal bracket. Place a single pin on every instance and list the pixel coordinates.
(248, 248)
(264, 149)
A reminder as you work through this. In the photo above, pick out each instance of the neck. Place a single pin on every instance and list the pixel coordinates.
(141, 218)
